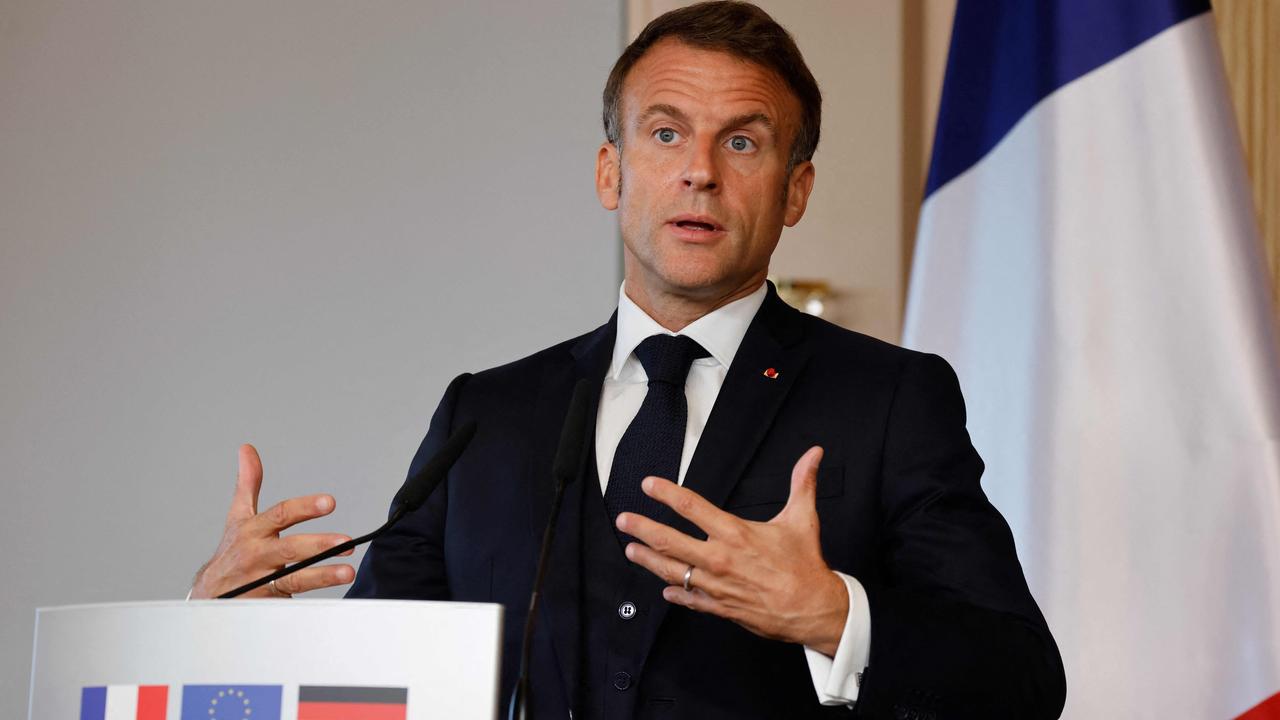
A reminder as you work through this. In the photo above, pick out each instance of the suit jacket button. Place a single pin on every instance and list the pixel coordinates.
(622, 680)
(627, 610)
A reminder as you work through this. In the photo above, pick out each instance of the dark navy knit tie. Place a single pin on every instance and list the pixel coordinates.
(655, 438)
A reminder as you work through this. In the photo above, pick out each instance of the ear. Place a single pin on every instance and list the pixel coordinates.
(608, 176)
(799, 185)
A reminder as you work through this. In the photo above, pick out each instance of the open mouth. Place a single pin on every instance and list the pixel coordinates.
(694, 225)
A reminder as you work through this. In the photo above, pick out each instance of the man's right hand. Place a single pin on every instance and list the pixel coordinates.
(252, 547)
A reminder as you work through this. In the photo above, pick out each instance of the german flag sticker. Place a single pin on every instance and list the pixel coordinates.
(328, 702)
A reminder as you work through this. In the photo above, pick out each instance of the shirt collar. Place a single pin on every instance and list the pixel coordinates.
(719, 332)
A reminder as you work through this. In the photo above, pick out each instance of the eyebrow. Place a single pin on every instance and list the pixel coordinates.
(750, 119)
(662, 109)
(678, 115)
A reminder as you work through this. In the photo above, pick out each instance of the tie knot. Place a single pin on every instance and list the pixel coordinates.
(666, 358)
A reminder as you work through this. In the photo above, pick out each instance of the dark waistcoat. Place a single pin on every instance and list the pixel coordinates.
(617, 603)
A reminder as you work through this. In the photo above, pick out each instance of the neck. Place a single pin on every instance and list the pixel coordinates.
(675, 310)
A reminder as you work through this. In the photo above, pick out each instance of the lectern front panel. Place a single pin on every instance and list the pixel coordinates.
(267, 660)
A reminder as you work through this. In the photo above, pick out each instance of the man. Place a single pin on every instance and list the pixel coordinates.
(820, 541)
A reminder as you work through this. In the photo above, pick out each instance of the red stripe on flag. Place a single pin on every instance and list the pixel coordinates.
(1268, 709)
(352, 711)
(153, 702)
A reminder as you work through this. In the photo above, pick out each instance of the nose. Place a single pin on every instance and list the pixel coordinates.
(701, 172)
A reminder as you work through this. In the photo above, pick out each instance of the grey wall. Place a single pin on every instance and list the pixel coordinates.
(286, 222)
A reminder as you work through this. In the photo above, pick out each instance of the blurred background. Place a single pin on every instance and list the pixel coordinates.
(292, 223)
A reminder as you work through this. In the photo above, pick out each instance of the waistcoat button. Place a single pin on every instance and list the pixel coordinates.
(622, 680)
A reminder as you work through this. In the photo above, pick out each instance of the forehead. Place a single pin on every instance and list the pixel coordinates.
(710, 83)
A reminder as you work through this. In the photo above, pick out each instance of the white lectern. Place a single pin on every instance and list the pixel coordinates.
(267, 660)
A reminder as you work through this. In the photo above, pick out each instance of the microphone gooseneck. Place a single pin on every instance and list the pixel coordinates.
(565, 469)
(412, 494)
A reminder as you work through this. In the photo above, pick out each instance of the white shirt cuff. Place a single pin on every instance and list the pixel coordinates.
(836, 679)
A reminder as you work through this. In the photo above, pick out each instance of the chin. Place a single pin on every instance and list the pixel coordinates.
(677, 269)
(693, 280)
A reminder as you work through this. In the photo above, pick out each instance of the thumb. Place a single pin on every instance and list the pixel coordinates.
(244, 503)
(804, 484)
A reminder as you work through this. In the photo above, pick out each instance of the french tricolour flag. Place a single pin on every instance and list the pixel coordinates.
(1088, 260)
(124, 702)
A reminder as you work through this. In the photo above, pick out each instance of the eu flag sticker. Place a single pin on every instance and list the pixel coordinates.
(231, 702)
(331, 702)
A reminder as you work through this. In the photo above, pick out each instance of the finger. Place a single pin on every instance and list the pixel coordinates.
(804, 484)
(689, 505)
(293, 548)
(244, 502)
(698, 600)
(671, 571)
(663, 538)
(288, 513)
(314, 578)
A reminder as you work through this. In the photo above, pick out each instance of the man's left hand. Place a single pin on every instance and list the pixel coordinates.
(768, 577)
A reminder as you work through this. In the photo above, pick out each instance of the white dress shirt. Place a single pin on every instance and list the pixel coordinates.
(720, 332)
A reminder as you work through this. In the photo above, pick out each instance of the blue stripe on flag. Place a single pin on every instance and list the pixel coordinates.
(93, 703)
(1008, 55)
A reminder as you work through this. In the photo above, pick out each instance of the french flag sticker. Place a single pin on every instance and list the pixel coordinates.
(124, 702)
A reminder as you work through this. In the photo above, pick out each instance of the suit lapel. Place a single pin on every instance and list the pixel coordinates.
(747, 403)
(561, 594)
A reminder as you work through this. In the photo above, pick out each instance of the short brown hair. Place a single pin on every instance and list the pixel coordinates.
(740, 29)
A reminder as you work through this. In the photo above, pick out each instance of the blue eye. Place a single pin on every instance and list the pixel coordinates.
(665, 136)
(740, 143)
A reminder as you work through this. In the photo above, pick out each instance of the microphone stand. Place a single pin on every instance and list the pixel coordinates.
(518, 709)
(570, 456)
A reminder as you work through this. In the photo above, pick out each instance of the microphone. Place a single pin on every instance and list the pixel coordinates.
(412, 494)
(565, 469)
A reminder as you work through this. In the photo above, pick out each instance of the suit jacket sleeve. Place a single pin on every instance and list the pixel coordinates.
(954, 629)
(408, 561)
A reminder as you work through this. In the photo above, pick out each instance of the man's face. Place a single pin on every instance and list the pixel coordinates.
(701, 183)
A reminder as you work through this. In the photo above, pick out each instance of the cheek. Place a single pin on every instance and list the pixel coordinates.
(637, 205)
(752, 183)
(644, 169)
(634, 222)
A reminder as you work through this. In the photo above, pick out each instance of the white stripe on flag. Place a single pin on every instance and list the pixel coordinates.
(122, 702)
(1096, 282)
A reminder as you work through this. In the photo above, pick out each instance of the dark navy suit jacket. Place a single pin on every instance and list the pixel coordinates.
(955, 632)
